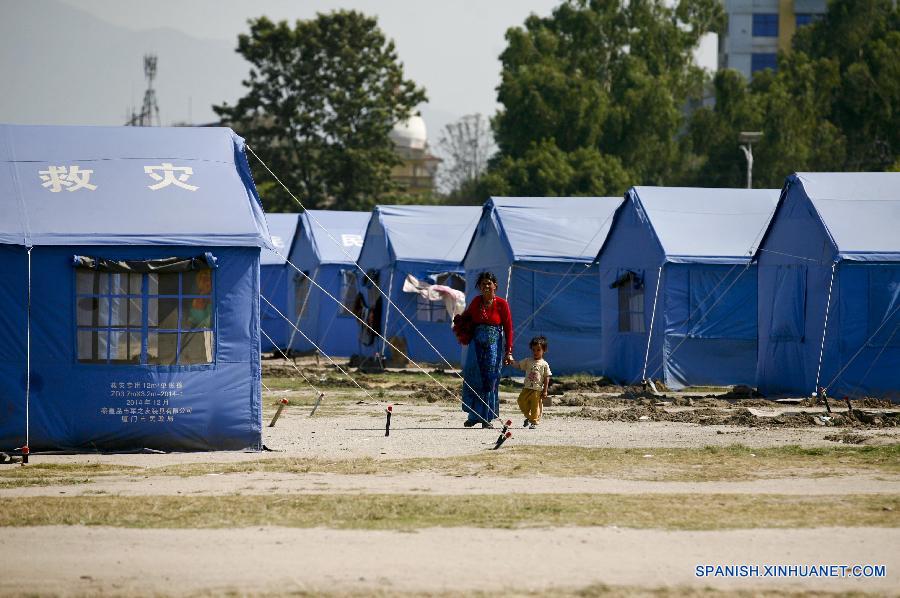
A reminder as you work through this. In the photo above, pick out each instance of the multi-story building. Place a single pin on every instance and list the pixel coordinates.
(758, 29)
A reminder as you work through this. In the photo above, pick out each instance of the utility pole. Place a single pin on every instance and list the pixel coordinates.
(150, 108)
(748, 138)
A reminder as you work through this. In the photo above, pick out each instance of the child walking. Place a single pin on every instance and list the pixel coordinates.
(537, 381)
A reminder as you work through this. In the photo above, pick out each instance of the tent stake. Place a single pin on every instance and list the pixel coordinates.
(281, 405)
(316, 405)
(387, 424)
(503, 438)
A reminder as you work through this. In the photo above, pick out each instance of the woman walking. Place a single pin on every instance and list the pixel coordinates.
(490, 349)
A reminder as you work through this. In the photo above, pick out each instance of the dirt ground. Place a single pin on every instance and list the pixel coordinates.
(569, 560)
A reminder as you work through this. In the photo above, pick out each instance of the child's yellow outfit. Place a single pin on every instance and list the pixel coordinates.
(536, 374)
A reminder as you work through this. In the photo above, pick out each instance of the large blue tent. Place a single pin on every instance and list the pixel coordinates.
(829, 270)
(131, 289)
(678, 285)
(326, 250)
(427, 242)
(543, 250)
(275, 276)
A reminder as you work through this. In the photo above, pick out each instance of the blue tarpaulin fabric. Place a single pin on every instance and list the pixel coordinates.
(184, 186)
(327, 248)
(424, 241)
(837, 231)
(696, 246)
(107, 373)
(541, 250)
(275, 281)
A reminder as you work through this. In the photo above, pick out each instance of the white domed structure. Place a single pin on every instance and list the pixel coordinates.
(410, 134)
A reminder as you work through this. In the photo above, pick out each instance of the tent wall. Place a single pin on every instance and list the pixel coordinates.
(13, 322)
(276, 286)
(326, 242)
(551, 299)
(794, 273)
(332, 328)
(710, 324)
(630, 246)
(438, 334)
(868, 318)
(71, 401)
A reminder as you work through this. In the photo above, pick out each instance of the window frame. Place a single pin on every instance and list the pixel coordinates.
(627, 296)
(771, 61)
(145, 329)
(765, 24)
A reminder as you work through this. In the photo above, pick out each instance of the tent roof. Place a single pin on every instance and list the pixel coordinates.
(429, 233)
(703, 224)
(283, 228)
(204, 192)
(348, 228)
(860, 210)
(554, 228)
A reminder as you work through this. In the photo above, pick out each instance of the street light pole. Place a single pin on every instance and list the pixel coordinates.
(748, 138)
(748, 153)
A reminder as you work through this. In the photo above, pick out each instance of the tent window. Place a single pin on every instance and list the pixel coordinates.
(348, 293)
(301, 294)
(435, 311)
(884, 306)
(631, 303)
(144, 318)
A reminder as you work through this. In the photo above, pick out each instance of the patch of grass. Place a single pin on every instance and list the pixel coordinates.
(708, 464)
(53, 474)
(400, 512)
(663, 464)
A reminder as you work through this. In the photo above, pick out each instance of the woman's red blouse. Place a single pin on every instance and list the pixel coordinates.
(497, 313)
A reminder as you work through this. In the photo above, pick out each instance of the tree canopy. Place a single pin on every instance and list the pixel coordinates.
(830, 106)
(322, 97)
(593, 96)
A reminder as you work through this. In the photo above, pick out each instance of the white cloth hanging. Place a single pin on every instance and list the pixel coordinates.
(454, 300)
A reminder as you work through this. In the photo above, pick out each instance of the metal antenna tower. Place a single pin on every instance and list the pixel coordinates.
(150, 109)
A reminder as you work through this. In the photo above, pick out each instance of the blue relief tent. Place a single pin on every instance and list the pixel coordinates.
(543, 250)
(427, 242)
(327, 247)
(829, 270)
(678, 286)
(131, 289)
(275, 276)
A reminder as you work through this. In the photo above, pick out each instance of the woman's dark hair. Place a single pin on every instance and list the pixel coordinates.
(540, 341)
(485, 276)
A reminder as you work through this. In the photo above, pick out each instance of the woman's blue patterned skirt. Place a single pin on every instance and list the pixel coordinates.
(484, 361)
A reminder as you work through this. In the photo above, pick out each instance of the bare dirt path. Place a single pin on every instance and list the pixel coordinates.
(261, 483)
(90, 561)
(348, 430)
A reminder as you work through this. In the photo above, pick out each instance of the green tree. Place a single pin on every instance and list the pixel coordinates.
(861, 40)
(830, 106)
(322, 97)
(593, 96)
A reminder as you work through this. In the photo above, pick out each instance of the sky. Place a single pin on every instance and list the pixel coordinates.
(80, 61)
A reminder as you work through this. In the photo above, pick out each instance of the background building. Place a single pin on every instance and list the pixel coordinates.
(758, 29)
(416, 173)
